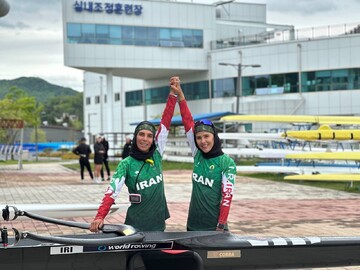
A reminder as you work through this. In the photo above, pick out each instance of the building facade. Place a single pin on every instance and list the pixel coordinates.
(229, 58)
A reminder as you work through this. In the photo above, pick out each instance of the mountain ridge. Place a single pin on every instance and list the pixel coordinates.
(41, 89)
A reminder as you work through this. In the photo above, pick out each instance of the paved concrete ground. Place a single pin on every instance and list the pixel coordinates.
(259, 208)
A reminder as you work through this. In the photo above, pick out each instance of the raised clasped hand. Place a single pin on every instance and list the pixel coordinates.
(175, 85)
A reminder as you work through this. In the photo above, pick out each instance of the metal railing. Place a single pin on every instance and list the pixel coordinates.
(279, 36)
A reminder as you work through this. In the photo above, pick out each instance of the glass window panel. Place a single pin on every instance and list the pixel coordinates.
(196, 90)
(198, 38)
(248, 86)
(127, 32)
(88, 33)
(277, 80)
(224, 87)
(97, 99)
(165, 33)
(102, 34)
(157, 95)
(133, 98)
(323, 80)
(140, 32)
(73, 30)
(308, 81)
(102, 30)
(291, 83)
(354, 78)
(153, 33)
(262, 81)
(187, 33)
(188, 37)
(115, 31)
(340, 79)
(176, 34)
(88, 30)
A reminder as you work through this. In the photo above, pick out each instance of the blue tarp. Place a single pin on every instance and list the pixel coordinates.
(31, 147)
(176, 120)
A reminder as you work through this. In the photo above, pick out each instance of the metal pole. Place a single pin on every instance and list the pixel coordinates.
(89, 128)
(101, 105)
(299, 67)
(20, 164)
(36, 145)
(238, 89)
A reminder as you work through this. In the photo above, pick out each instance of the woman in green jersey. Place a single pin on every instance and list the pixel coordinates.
(213, 176)
(142, 173)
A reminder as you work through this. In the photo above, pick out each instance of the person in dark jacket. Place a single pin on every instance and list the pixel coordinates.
(99, 150)
(83, 151)
(105, 143)
(127, 148)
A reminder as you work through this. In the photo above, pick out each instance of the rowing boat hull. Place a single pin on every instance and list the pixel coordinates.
(186, 250)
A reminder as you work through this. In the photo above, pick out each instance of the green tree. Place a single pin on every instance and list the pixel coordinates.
(71, 105)
(18, 105)
(39, 137)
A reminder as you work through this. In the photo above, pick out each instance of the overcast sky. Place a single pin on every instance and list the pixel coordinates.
(31, 33)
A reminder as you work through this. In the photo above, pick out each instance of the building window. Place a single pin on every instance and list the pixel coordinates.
(354, 78)
(291, 84)
(224, 88)
(262, 81)
(134, 35)
(323, 80)
(196, 90)
(340, 79)
(133, 98)
(88, 101)
(117, 97)
(156, 95)
(105, 98)
(97, 99)
(248, 86)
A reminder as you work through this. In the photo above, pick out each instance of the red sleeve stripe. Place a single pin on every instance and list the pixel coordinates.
(105, 206)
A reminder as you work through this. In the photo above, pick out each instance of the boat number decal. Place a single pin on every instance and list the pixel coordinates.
(66, 250)
(221, 254)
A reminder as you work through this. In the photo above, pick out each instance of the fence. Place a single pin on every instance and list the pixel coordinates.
(276, 36)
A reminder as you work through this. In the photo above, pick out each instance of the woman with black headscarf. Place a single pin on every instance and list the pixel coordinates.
(213, 176)
(141, 172)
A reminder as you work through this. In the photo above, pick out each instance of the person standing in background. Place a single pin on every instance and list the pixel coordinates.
(105, 143)
(127, 148)
(83, 151)
(98, 158)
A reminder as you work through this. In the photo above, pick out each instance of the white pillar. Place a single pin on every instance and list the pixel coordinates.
(109, 101)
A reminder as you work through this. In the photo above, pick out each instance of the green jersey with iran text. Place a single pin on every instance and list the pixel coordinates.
(213, 182)
(146, 180)
(210, 178)
(143, 179)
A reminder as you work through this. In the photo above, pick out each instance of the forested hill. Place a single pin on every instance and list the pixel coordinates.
(36, 87)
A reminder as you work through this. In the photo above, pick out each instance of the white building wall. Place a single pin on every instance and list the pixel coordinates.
(317, 54)
(143, 60)
(203, 64)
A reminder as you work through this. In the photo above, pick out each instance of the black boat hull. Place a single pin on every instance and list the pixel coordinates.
(185, 250)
